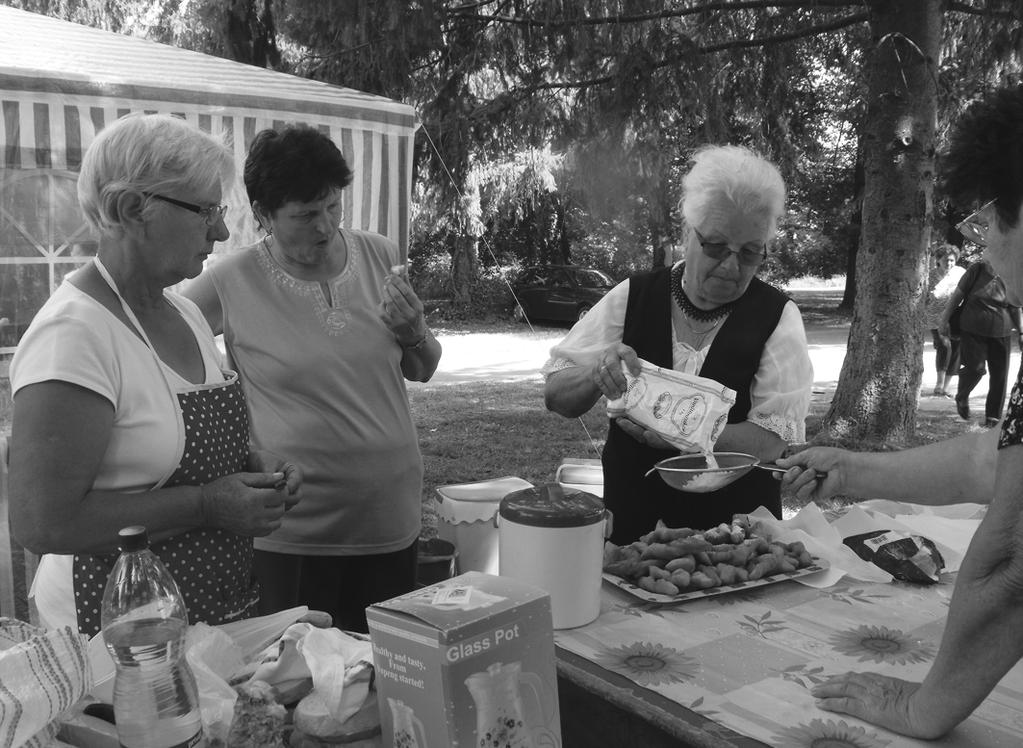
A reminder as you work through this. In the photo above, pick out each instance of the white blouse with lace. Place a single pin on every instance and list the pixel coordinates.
(780, 395)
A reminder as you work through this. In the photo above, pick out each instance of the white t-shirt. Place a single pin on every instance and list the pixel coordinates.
(75, 339)
(782, 387)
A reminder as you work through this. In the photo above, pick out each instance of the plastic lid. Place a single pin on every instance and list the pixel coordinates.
(134, 538)
(551, 505)
(482, 491)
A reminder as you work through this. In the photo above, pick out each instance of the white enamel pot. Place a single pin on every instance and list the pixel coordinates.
(553, 538)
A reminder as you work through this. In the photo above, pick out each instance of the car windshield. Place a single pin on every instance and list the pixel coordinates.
(593, 279)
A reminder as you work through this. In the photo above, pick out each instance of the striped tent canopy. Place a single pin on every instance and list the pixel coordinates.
(61, 83)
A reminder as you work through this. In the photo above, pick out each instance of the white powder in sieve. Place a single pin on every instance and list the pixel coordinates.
(708, 479)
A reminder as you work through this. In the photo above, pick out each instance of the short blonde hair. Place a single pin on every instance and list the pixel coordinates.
(729, 172)
(147, 153)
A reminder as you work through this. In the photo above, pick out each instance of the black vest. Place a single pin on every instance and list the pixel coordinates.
(637, 502)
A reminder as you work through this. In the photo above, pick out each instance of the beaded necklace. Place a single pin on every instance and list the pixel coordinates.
(689, 309)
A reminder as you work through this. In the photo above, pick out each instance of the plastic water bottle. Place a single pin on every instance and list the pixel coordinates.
(144, 620)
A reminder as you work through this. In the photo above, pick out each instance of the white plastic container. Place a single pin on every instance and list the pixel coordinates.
(553, 539)
(581, 474)
(465, 515)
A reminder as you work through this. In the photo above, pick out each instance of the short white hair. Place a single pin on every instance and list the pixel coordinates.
(147, 153)
(722, 174)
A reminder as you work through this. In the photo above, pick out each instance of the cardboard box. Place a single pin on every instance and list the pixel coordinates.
(467, 662)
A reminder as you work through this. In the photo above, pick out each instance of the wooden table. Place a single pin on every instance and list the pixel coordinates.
(736, 670)
(601, 707)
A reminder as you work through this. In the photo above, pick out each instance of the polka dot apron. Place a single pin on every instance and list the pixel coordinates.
(212, 567)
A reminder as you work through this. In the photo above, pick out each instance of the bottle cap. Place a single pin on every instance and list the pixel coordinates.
(134, 538)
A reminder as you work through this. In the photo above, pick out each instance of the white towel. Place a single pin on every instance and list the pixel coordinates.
(42, 674)
(340, 665)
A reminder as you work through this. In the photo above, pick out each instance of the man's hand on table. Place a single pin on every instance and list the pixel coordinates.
(881, 700)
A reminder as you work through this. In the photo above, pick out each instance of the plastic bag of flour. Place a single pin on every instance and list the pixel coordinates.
(685, 410)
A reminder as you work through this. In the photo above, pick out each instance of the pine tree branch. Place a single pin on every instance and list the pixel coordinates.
(764, 41)
(644, 17)
(470, 6)
(710, 49)
(959, 7)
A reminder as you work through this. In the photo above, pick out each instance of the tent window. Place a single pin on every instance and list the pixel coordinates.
(43, 237)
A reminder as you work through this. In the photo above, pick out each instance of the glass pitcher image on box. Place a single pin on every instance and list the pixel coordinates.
(408, 730)
(504, 718)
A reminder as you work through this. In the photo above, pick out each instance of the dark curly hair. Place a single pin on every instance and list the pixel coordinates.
(297, 163)
(984, 158)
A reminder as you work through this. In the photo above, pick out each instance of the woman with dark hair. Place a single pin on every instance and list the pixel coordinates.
(323, 327)
(985, 337)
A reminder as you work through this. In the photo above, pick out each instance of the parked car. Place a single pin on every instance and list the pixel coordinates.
(558, 292)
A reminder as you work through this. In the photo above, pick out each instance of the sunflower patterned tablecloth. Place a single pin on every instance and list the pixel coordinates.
(746, 660)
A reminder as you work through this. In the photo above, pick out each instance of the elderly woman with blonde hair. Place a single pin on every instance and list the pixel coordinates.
(709, 315)
(124, 413)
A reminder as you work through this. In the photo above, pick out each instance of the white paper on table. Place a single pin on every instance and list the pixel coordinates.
(951, 525)
(966, 510)
(950, 537)
(951, 528)
(823, 540)
(954, 535)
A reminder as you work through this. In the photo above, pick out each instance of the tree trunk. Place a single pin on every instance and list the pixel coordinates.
(250, 33)
(877, 390)
(849, 292)
(659, 222)
(564, 245)
(464, 261)
(854, 231)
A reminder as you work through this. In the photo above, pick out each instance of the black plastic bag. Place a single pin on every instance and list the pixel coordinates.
(908, 558)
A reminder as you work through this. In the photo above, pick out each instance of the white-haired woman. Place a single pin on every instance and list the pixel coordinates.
(123, 412)
(707, 315)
